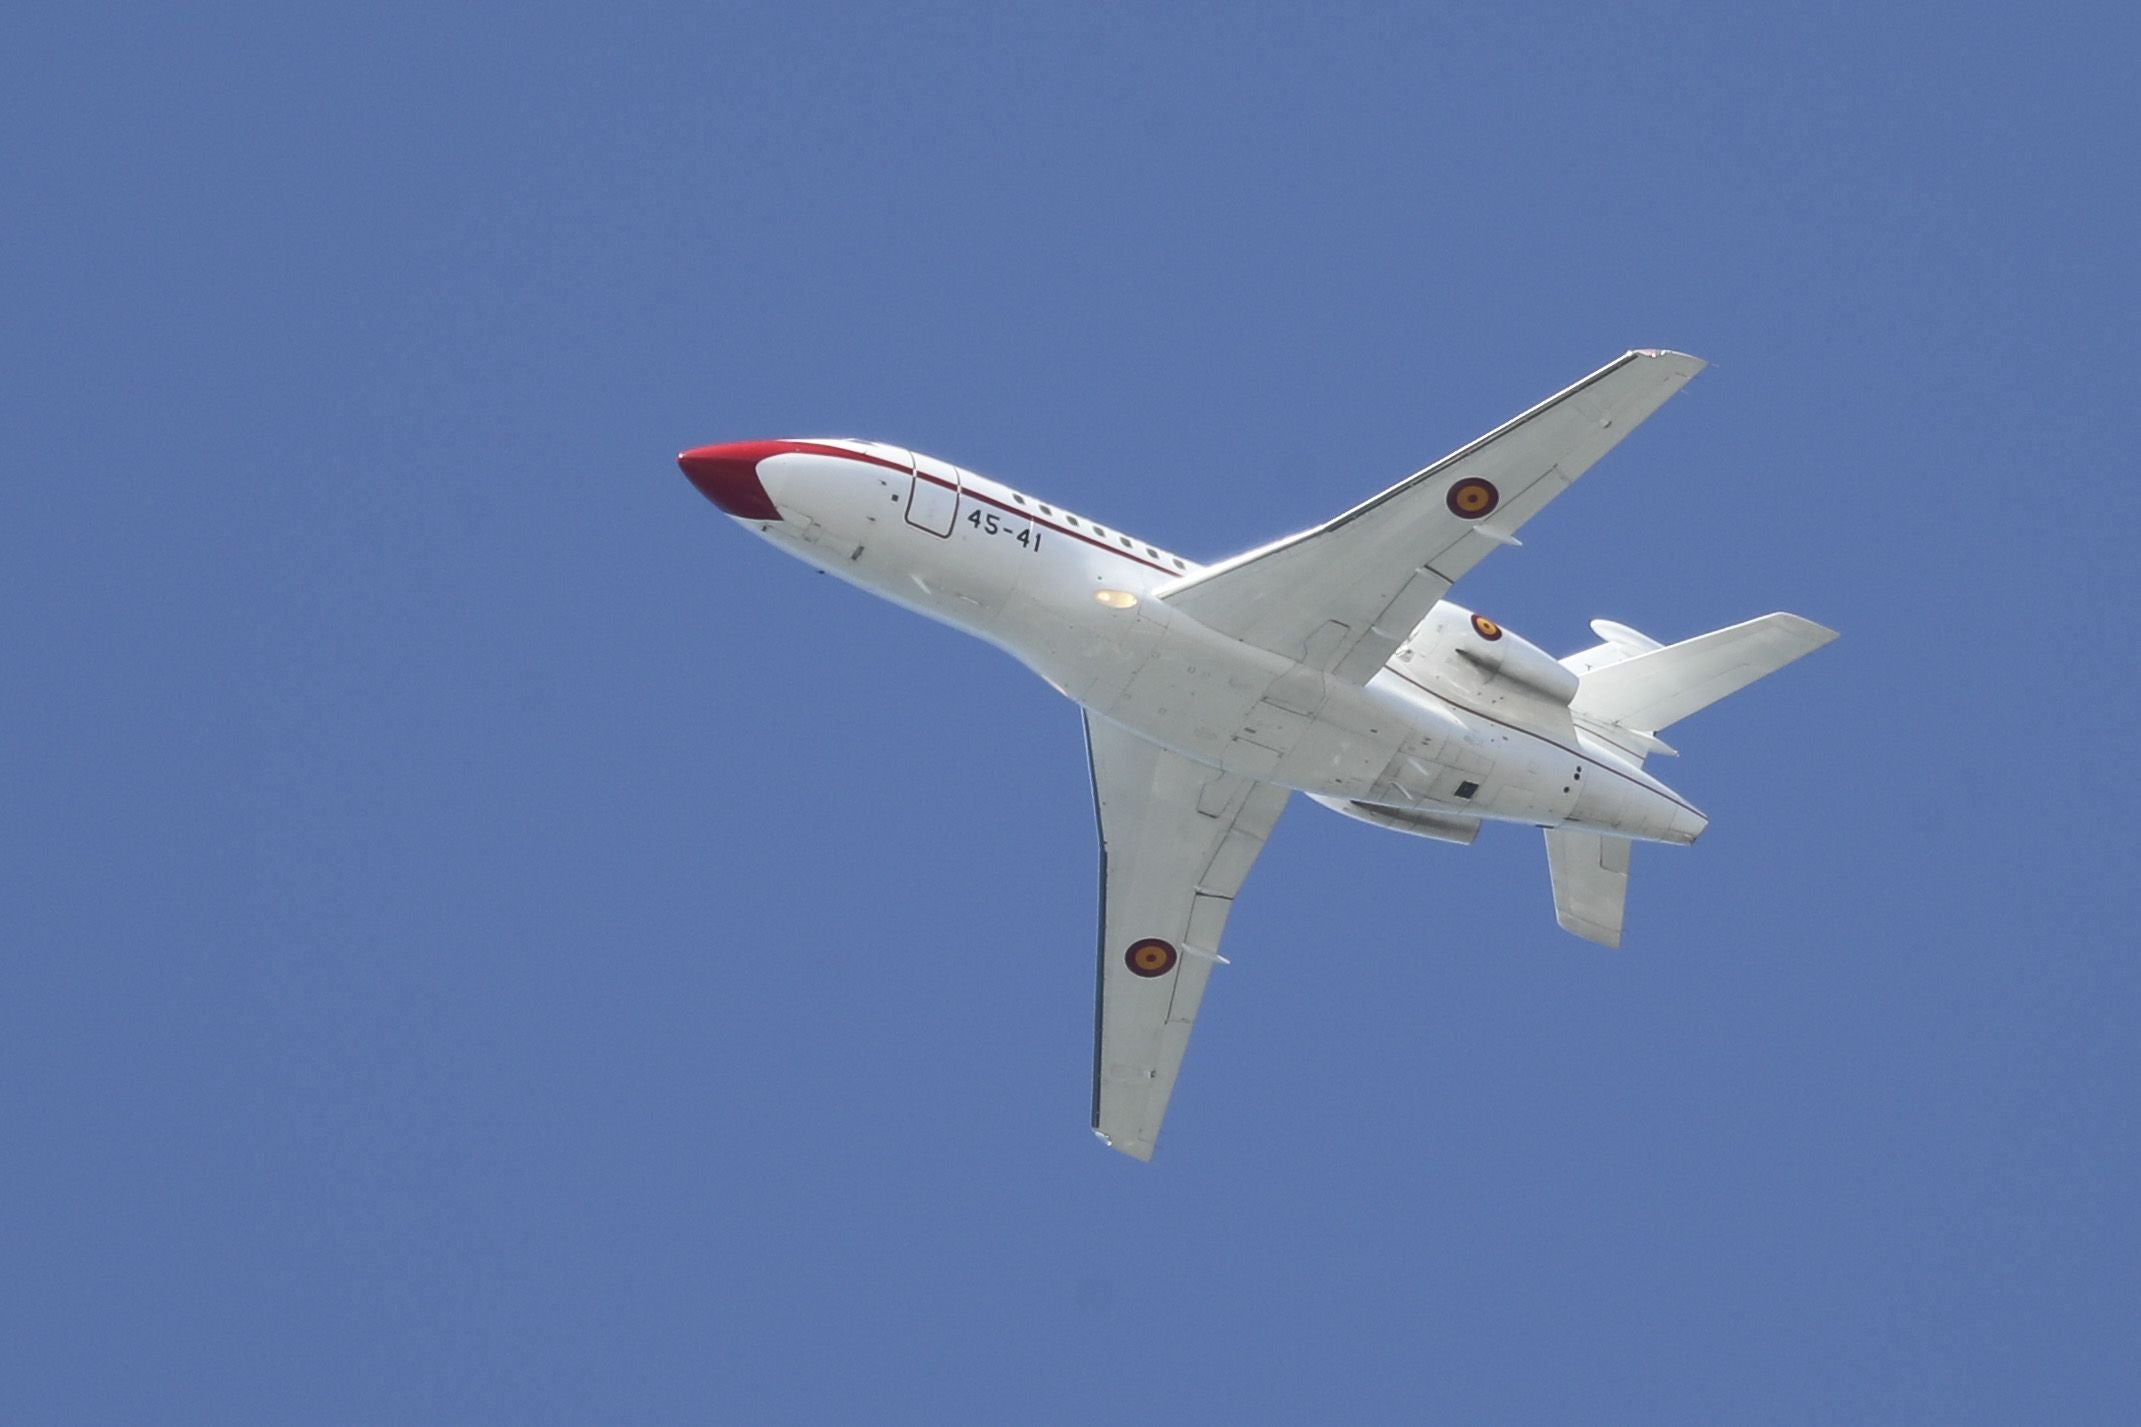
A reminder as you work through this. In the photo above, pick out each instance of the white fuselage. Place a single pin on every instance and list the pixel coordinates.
(1466, 721)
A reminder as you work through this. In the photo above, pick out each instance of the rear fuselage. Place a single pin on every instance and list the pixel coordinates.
(1466, 721)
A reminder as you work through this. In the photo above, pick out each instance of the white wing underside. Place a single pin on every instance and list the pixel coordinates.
(1176, 839)
(1343, 596)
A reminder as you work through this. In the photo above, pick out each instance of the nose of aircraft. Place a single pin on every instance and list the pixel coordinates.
(728, 476)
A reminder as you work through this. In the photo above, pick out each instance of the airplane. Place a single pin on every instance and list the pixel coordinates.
(1327, 663)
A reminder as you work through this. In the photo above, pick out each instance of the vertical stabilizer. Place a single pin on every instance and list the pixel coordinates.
(1590, 872)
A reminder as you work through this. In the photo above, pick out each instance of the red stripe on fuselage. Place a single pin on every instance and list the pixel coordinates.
(812, 448)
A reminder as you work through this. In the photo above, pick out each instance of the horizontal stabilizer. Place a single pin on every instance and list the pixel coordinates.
(1590, 872)
(1656, 690)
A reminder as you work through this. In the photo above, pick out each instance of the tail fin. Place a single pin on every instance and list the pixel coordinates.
(1628, 688)
(1590, 872)
(1656, 689)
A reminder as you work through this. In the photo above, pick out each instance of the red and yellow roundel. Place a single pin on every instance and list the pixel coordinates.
(1485, 627)
(1150, 957)
(1472, 498)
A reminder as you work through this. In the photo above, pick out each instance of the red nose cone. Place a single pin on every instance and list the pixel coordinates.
(728, 476)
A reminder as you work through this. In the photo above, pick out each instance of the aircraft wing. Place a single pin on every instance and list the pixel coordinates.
(1343, 596)
(1176, 839)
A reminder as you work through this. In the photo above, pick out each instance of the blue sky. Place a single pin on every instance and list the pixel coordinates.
(487, 941)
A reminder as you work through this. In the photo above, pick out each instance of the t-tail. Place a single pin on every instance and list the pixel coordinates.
(1629, 689)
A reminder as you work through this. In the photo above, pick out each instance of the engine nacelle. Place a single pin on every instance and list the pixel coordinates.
(1453, 633)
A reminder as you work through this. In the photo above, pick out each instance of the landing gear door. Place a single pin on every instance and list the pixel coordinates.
(932, 496)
